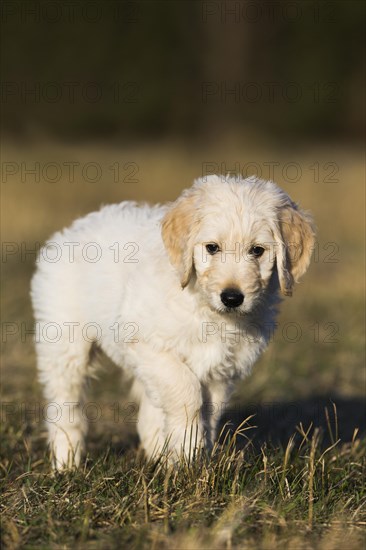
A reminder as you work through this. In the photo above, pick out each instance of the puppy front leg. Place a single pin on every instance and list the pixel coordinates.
(150, 425)
(219, 395)
(173, 389)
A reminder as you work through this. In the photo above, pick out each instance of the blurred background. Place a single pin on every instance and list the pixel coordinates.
(114, 100)
(140, 71)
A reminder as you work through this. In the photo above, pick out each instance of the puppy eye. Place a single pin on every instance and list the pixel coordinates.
(212, 248)
(256, 251)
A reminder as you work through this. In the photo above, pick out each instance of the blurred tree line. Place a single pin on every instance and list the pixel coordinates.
(146, 69)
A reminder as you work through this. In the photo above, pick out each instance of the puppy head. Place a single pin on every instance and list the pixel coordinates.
(234, 234)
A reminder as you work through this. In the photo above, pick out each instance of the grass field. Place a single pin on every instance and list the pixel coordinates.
(293, 475)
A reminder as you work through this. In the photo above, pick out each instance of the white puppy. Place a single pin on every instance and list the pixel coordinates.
(182, 295)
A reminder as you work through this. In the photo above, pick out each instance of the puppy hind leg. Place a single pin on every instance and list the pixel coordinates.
(62, 371)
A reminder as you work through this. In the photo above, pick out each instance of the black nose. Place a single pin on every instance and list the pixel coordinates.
(231, 297)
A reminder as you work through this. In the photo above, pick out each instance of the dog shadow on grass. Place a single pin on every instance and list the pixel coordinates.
(270, 424)
(274, 423)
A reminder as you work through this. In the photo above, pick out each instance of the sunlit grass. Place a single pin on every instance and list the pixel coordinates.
(297, 496)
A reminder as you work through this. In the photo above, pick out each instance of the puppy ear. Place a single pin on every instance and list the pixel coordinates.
(296, 242)
(179, 226)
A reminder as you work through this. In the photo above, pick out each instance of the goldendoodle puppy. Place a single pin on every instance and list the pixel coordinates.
(183, 296)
